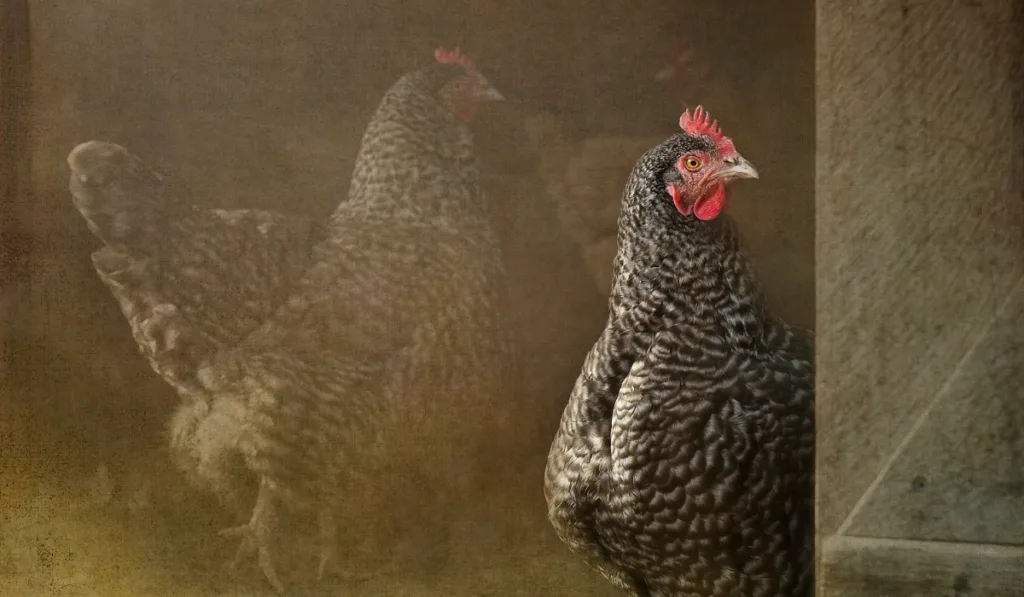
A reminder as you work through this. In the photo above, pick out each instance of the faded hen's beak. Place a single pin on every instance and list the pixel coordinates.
(737, 167)
(488, 93)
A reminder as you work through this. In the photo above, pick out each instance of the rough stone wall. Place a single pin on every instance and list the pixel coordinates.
(920, 257)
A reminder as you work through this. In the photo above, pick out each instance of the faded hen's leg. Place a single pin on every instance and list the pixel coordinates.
(328, 539)
(258, 534)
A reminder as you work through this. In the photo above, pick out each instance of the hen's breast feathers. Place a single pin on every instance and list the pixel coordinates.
(689, 453)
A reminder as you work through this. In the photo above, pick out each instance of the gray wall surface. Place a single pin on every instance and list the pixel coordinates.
(920, 258)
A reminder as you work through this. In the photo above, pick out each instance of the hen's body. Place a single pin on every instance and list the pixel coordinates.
(305, 351)
(683, 465)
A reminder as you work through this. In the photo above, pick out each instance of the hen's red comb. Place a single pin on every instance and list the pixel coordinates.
(454, 57)
(682, 45)
(700, 124)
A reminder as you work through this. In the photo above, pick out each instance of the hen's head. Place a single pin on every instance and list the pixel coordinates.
(461, 87)
(698, 163)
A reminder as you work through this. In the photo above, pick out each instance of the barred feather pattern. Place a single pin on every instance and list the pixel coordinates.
(302, 348)
(683, 464)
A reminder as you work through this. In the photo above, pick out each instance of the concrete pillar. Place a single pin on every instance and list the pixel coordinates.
(920, 258)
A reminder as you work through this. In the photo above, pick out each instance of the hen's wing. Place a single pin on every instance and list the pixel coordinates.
(189, 280)
(580, 461)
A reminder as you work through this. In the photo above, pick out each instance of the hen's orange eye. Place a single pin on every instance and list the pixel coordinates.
(692, 163)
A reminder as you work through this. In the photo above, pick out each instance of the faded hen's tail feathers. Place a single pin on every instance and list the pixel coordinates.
(191, 281)
(119, 196)
(122, 202)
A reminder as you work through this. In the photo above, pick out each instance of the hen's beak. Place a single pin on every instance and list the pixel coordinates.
(666, 73)
(488, 94)
(737, 167)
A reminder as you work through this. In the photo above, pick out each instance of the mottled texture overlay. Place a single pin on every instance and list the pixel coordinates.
(253, 114)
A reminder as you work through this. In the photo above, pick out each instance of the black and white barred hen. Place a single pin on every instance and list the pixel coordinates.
(683, 465)
(304, 350)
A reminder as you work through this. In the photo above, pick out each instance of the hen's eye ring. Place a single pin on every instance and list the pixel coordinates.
(692, 163)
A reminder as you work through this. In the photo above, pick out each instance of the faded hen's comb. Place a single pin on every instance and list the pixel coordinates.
(700, 124)
(455, 57)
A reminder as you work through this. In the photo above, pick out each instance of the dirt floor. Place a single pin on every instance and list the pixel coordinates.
(75, 541)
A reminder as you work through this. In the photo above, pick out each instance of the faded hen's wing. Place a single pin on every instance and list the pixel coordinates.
(190, 281)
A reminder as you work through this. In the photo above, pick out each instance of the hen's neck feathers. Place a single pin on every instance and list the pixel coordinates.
(416, 157)
(674, 270)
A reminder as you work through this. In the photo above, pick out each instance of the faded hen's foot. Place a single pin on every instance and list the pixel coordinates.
(328, 540)
(258, 535)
